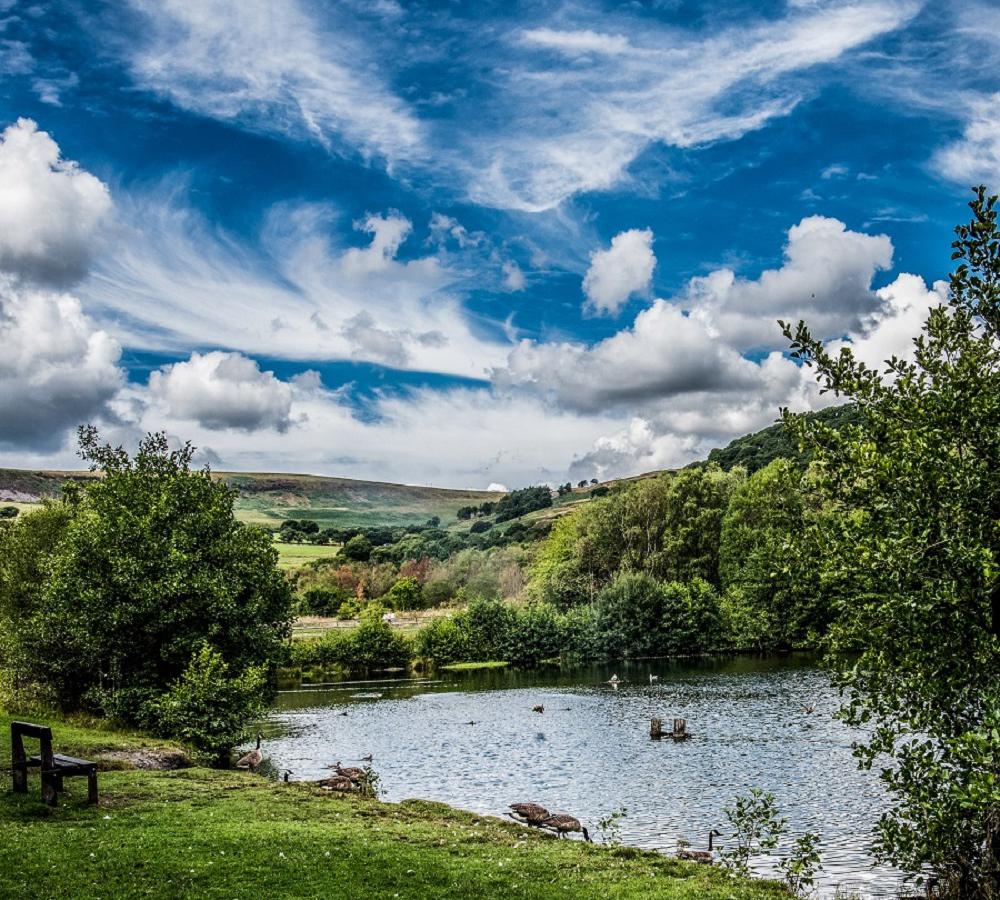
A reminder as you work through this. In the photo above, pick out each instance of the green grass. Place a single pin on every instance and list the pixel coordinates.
(203, 833)
(291, 556)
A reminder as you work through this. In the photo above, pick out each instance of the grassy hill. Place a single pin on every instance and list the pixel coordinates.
(269, 498)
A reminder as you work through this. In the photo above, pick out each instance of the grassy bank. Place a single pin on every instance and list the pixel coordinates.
(203, 833)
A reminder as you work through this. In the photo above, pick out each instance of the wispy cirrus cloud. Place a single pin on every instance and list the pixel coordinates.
(275, 68)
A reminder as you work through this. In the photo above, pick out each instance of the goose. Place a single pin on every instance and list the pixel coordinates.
(613, 680)
(538, 709)
(286, 775)
(530, 813)
(336, 783)
(252, 759)
(653, 678)
(562, 824)
(701, 856)
(810, 709)
(352, 772)
(367, 758)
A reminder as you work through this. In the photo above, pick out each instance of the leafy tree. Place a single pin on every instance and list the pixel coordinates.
(136, 571)
(913, 561)
(522, 501)
(407, 593)
(479, 527)
(8, 512)
(776, 610)
(692, 619)
(358, 548)
(630, 614)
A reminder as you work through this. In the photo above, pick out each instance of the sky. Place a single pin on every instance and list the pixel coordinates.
(468, 244)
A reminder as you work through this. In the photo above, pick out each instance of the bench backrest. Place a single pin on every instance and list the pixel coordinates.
(19, 731)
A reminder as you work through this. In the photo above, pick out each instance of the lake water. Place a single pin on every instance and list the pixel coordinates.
(590, 752)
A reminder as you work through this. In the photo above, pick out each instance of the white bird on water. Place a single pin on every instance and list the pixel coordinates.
(653, 678)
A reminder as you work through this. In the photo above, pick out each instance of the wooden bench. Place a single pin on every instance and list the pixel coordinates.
(54, 767)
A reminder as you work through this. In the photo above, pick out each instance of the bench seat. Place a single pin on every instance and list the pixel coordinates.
(65, 765)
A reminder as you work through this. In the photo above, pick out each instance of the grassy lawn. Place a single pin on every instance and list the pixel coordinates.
(203, 833)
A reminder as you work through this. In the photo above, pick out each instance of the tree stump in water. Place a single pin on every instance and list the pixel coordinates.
(655, 729)
(680, 730)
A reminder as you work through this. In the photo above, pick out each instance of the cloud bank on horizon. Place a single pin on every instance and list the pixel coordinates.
(469, 246)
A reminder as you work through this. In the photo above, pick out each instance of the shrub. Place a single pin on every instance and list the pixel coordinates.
(630, 615)
(442, 641)
(358, 548)
(208, 707)
(535, 635)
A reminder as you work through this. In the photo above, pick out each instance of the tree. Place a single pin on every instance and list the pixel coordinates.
(765, 513)
(630, 614)
(358, 548)
(913, 560)
(137, 571)
(8, 512)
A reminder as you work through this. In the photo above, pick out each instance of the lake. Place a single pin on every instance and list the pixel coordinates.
(472, 740)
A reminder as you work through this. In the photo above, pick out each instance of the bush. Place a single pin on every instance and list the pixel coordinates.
(349, 609)
(209, 708)
(438, 592)
(536, 634)
(630, 615)
(442, 641)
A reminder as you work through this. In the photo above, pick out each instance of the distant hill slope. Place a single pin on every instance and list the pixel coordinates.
(269, 498)
(754, 451)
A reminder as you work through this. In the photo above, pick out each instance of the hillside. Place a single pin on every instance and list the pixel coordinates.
(754, 451)
(269, 498)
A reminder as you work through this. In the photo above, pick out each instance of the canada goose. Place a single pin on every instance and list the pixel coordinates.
(561, 824)
(530, 813)
(809, 709)
(538, 709)
(252, 759)
(336, 783)
(653, 678)
(613, 680)
(701, 856)
(286, 775)
(367, 758)
(352, 772)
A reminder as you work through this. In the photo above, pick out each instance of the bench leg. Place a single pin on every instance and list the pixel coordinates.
(59, 783)
(92, 786)
(19, 773)
(49, 789)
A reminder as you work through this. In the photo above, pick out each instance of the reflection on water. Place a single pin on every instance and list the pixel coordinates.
(473, 741)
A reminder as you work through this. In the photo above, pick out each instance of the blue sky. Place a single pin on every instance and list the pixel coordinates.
(468, 244)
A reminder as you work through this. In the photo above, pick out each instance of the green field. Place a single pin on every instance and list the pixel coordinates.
(291, 556)
(205, 833)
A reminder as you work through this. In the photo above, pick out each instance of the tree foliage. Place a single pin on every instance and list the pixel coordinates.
(912, 562)
(106, 595)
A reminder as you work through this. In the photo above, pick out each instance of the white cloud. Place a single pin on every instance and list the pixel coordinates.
(624, 269)
(57, 369)
(174, 282)
(826, 278)
(682, 91)
(496, 486)
(663, 354)
(577, 43)
(513, 276)
(837, 170)
(222, 390)
(975, 157)
(49, 208)
(274, 68)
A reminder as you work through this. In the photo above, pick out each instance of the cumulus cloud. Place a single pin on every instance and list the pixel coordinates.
(513, 276)
(624, 269)
(637, 448)
(57, 369)
(222, 390)
(497, 486)
(50, 208)
(826, 279)
(663, 354)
